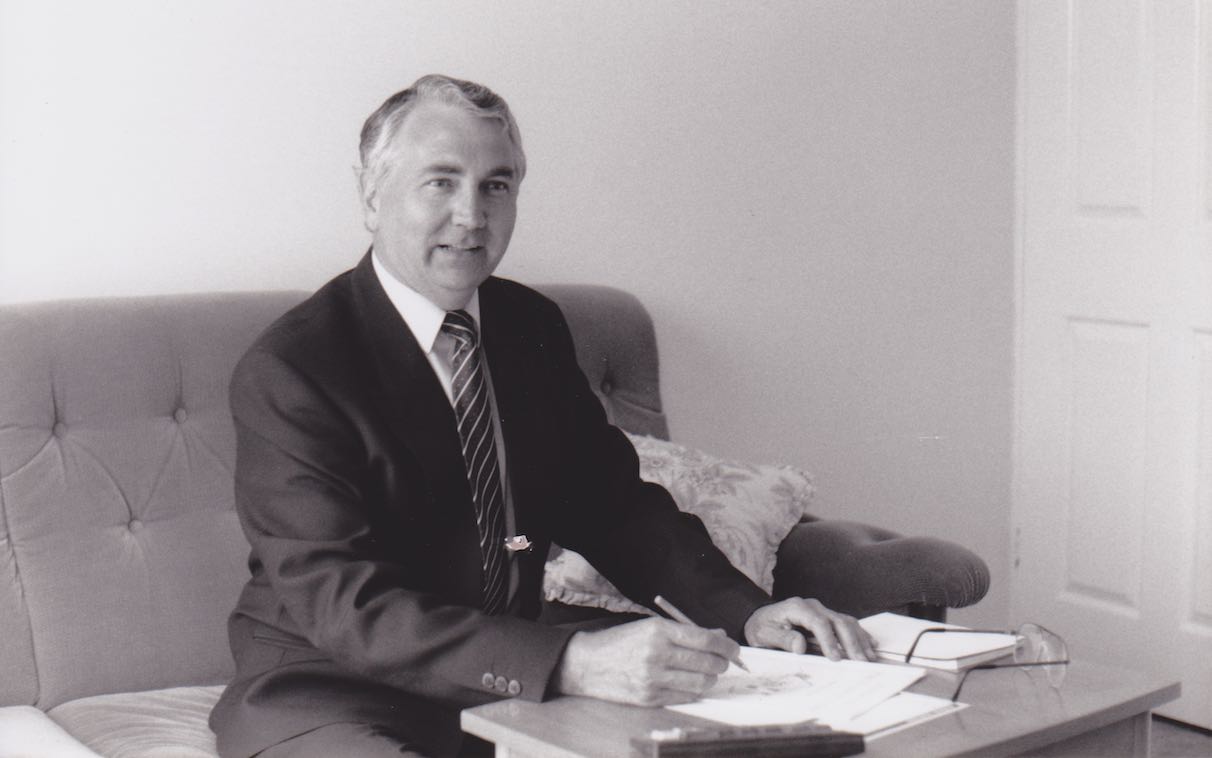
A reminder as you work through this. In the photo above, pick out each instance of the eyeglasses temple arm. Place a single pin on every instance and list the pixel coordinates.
(988, 666)
(918, 638)
(945, 630)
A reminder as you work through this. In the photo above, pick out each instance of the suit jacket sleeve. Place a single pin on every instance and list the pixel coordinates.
(631, 530)
(302, 495)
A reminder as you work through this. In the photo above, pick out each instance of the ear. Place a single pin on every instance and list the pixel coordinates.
(368, 194)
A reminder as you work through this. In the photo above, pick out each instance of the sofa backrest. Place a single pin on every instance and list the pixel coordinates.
(120, 551)
(617, 351)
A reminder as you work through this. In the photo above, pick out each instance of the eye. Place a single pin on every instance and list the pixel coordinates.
(440, 182)
(496, 187)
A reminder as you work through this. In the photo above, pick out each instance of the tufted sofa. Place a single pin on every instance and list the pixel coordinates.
(121, 554)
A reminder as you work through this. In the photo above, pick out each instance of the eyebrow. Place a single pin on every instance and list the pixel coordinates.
(442, 168)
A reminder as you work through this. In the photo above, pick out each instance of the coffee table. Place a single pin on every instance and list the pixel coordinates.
(1097, 711)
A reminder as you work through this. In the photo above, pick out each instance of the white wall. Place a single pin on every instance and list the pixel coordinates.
(815, 199)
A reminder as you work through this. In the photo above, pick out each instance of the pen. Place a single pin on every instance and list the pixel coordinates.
(682, 618)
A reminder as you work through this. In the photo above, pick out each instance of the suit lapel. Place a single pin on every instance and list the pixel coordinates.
(419, 411)
(420, 416)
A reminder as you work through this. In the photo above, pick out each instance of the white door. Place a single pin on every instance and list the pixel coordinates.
(1112, 521)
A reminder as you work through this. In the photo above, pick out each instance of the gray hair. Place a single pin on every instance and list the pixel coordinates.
(382, 126)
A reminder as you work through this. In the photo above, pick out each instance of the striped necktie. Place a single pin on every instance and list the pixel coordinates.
(474, 413)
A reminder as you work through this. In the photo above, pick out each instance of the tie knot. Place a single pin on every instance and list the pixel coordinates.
(461, 326)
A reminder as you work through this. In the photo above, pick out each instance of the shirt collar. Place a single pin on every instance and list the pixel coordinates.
(424, 319)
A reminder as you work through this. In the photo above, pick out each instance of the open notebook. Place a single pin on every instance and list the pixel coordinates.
(847, 696)
(894, 635)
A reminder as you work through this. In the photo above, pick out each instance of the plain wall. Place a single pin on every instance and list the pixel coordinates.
(814, 199)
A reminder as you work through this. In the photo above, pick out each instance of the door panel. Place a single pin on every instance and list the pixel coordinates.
(1113, 451)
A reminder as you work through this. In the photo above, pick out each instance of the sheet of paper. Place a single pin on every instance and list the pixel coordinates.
(901, 711)
(784, 688)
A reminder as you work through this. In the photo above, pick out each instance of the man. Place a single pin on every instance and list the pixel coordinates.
(400, 431)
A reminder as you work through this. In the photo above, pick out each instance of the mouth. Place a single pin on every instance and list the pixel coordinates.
(469, 249)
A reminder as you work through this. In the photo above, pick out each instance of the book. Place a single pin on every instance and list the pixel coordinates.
(792, 741)
(951, 651)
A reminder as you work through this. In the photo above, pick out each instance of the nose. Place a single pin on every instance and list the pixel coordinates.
(468, 211)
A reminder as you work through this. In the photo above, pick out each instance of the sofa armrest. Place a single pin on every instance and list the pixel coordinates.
(26, 731)
(860, 570)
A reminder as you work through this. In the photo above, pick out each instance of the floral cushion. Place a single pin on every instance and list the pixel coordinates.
(748, 510)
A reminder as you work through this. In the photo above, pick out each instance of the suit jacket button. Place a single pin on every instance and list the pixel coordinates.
(487, 680)
(500, 684)
(515, 687)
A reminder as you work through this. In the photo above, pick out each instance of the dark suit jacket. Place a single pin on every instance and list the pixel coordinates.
(365, 562)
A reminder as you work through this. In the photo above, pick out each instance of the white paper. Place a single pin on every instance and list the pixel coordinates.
(901, 711)
(785, 688)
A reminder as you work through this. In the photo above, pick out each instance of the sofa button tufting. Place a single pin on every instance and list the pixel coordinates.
(607, 388)
(135, 525)
(180, 415)
(59, 429)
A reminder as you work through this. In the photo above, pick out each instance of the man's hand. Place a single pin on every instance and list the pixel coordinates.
(651, 662)
(779, 625)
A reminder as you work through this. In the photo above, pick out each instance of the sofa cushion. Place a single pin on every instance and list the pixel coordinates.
(167, 723)
(748, 510)
(26, 731)
(19, 683)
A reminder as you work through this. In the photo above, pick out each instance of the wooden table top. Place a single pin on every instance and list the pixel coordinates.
(1010, 711)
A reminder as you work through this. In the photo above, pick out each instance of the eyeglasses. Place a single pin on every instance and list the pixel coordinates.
(1035, 646)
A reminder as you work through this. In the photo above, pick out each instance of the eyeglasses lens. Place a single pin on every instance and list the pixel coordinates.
(1036, 644)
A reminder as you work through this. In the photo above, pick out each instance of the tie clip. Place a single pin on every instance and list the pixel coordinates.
(518, 544)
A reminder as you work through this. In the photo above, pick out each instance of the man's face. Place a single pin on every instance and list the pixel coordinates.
(443, 214)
